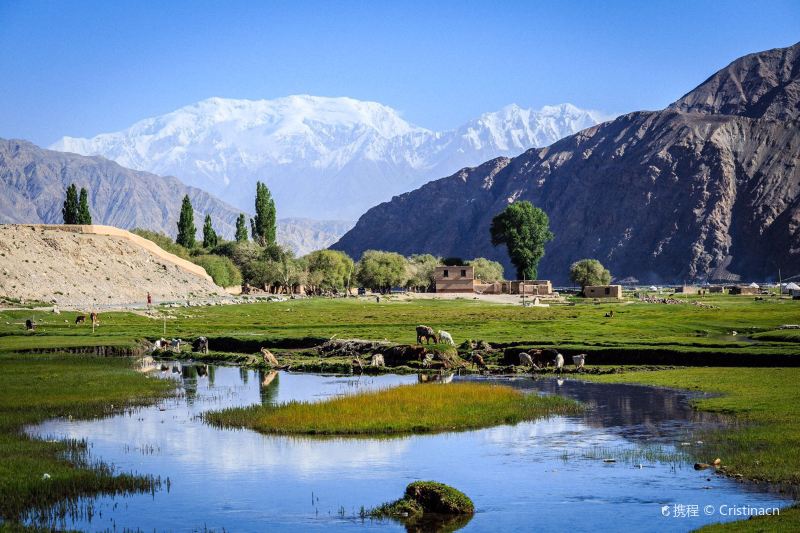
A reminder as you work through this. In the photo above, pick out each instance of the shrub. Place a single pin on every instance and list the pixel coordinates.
(165, 242)
(221, 269)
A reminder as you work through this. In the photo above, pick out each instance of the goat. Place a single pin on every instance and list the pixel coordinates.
(446, 338)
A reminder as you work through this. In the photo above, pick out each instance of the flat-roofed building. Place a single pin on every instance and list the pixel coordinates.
(459, 278)
(603, 291)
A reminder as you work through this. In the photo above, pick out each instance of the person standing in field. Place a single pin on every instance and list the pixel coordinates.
(149, 300)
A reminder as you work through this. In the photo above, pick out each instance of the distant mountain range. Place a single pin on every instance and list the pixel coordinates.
(33, 183)
(321, 157)
(708, 188)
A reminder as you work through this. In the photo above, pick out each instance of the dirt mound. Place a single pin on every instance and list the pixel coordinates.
(93, 266)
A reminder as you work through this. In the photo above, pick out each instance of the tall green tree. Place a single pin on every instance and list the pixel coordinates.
(210, 238)
(263, 225)
(589, 272)
(329, 270)
(382, 270)
(70, 209)
(486, 270)
(186, 229)
(524, 229)
(420, 271)
(241, 228)
(84, 216)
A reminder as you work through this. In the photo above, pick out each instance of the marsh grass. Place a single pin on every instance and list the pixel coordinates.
(35, 388)
(400, 410)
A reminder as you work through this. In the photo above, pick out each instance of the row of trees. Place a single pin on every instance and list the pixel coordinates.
(76, 207)
(263, 226)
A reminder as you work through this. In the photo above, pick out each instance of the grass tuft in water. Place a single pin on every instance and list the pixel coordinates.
(400, 410)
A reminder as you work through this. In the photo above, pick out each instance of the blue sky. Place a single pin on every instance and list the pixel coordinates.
(82, 68)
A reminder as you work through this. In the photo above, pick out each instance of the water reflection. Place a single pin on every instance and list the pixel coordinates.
(269, 387)
(528, 476)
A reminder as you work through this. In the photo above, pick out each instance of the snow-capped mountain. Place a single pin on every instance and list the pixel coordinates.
(321, 157)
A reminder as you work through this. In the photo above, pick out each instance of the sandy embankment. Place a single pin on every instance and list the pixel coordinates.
(93, 266)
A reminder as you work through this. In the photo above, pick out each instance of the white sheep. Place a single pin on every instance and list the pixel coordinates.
(579, 360)
(446, 338)
(377, 360)
(525, 359)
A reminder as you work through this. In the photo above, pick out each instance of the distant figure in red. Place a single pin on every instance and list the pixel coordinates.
(149, 300)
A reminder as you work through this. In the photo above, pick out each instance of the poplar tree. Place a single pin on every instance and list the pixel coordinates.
(241, 228)
(263, 224)
(70, 210)
(209, 235)
(186, 229)
(84, 216)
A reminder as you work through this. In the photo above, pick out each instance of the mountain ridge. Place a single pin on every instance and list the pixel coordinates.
(322, 157)
(33, 181)
(691, 192)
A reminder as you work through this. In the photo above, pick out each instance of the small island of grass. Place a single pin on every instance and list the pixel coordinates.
(399, 410)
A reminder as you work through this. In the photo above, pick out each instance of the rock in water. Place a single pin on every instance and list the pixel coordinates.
(423, 498)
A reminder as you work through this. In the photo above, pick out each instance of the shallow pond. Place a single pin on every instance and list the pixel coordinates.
(546, 475)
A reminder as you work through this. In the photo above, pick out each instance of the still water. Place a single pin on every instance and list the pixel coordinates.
(548, 475)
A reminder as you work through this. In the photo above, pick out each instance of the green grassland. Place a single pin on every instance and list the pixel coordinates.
(635, 326)
(35, 388)
(399, 410)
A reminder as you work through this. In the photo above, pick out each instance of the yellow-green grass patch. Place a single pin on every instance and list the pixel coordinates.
(406, 409)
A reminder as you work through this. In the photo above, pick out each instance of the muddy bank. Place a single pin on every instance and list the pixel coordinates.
(635, 356)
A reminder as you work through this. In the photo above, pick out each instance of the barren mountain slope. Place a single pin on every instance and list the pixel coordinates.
(708, 188)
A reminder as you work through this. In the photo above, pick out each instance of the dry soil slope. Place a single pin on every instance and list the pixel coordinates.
(93, 266)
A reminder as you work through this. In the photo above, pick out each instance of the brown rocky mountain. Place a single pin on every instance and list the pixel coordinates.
(708, 188)
(33, 182)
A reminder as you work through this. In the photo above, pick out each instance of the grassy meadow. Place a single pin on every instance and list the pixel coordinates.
(635, 326)
(763, 442)
(399, 410)
(35, 388)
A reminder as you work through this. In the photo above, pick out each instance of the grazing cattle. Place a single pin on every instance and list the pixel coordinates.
(80, 319)
(525, 359)
(579, 360)
(201, 345)
(269, 359)
(610, 314)
(377, 360)
(175, 345)
(446, 338)
(29, 325)
(426, 333)
(95, 318)
(478, 361)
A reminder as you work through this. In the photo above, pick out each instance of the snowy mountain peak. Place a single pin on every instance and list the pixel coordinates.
(322, 157)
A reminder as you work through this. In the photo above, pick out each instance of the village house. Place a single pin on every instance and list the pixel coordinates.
(603, 291)
(459, 278)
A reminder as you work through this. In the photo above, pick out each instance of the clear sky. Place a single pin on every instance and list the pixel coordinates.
(81, 68)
